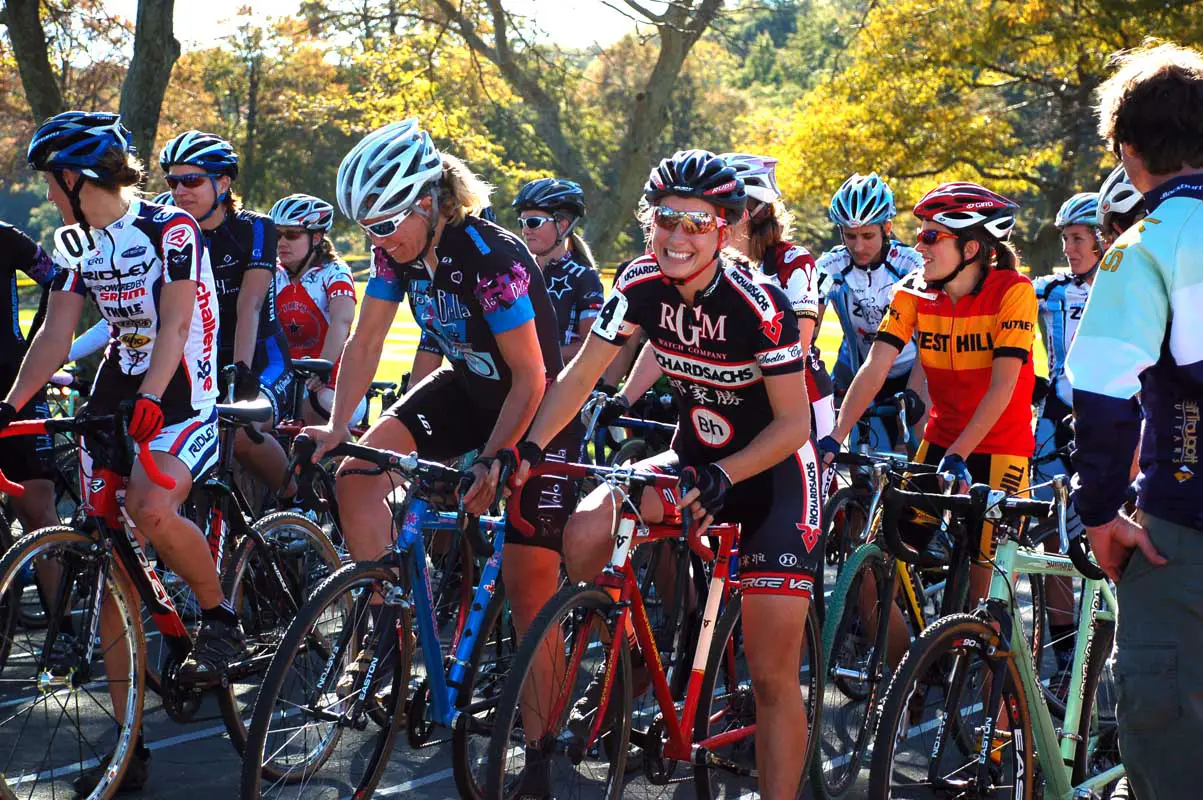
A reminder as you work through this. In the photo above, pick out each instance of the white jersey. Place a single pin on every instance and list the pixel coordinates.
(860, 298)
(124, 271)
(1062, 300)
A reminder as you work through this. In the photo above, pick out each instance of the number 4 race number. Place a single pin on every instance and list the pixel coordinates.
(610, 318)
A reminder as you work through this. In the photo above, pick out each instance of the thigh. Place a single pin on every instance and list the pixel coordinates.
(441, 418)
(29, 458)
(1004, 472)
(549, 500)
(654, 506)
(190, 442)
(774, 629)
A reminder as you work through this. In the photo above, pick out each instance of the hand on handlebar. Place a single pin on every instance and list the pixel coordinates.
(480, 495)
(527, 454)
(954, 464)
(326, 438)
(829, 448)
(146, 420)
(705, 491)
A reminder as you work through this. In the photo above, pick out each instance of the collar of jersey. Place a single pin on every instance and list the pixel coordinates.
(559, 262)
(1185, 186)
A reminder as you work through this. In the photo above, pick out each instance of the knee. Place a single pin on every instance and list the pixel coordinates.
(584, 534)
(149, 509)
(775, 684)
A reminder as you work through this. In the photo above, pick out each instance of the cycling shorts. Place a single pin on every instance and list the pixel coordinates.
(1004, 472)
(29, 458)
(276, 378)
(193, 441)
(778, 513)
(445, 424)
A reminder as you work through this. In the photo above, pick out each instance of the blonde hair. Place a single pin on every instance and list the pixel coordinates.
(126, 171)
(467, 193)
(772, 224)
(580, 250)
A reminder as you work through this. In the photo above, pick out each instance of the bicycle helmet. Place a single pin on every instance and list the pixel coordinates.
(387, 171)
(1117, 195)
(551, 194)
(163, 199)
(1081, 209)
(759, 174)
(488, 214)
(79, 141)
(208, 151)
(862, 200)
(964, 206)
(303, 211)
(700, 174)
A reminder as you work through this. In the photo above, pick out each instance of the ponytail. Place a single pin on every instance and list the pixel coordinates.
(580, 250)
(462, 192)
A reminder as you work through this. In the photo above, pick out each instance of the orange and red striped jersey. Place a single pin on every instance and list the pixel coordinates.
(957, 345)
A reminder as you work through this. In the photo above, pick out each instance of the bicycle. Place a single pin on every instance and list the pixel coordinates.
(338, 627)
(657, 434)
(586, 737)
(967, 673)
(56, 668)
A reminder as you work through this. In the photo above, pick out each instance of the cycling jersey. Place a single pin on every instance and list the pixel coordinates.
(794, 268)
(19, 252)
(860, 297)
(133, 258)
(576, 294)
(304, 305)
(957, 346)
(716, 352)
(486, 284)
(1062, 298)
(1140, 334)
(244, 241)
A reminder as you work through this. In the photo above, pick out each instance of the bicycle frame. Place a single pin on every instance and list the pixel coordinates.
(1012, 560)
(445, 680)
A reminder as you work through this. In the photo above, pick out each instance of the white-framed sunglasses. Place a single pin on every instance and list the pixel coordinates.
(387, 227)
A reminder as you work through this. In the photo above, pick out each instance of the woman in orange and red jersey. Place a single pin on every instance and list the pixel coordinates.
(973, 317)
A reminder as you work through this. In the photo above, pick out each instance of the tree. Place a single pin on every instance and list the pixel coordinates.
(79, 25)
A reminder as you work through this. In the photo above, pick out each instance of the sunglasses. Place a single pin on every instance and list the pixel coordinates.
(387, 227)
(692, 222)
(192, 180)
(930, 237)
(291, 236)
(533, 223)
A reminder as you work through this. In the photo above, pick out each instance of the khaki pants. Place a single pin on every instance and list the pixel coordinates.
(1159, 666)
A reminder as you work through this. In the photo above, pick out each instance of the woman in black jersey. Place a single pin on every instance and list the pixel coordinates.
(548, 212)
(200, 168)
(729, 344)
(481, 303)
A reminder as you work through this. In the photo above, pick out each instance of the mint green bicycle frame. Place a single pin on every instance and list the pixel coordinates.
(1012, 560)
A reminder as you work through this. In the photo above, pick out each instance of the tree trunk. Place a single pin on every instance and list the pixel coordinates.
(33, 61)
(155, 52)
(250, 173)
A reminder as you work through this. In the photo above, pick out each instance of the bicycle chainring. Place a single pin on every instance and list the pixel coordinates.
(418, 726)
(180, 704)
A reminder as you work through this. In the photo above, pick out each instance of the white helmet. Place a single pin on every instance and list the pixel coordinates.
(303, 211)
(759, 174)
(1117, 195)
(1081, 209)
(862, 200)
(386, 172)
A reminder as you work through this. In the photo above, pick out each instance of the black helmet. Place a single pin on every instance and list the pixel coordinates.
(551, 194)
(700, 174)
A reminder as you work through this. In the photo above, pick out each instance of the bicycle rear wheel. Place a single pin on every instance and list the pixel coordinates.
(65, 713)
(578, 756)
(307, 741)
(728, 705)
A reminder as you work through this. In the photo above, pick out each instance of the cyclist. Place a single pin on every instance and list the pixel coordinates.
(562, 253)
(857, 279)
(762, 237)
(730, 344)
(973, 317)
(1121, 206)
(1062, 299)
(476, 292)
(146, 269)
(1136, 372)
(200, 168)
(315, 293)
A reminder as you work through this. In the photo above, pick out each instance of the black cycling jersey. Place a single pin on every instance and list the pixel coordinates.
(19, 252)
(486, 284)
(715, 352)
(576, 294)
(246, 240)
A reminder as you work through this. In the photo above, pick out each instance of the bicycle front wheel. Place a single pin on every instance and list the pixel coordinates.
(547, 737)
(935, 717)
(310, 735)
(63, 711)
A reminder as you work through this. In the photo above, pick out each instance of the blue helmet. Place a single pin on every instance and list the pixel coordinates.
(163, 199)
(208, 151)
(1081, 209)
(862, 200)
(79, 141)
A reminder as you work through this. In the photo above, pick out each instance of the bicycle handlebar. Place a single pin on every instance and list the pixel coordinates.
(513, 508)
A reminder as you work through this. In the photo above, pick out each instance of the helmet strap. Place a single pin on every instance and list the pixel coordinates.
(221, 198)
(939, 284)
(432, 222)
(306, 262)
(77, 209)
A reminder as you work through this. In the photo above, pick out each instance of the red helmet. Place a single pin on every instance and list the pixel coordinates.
(964, 206)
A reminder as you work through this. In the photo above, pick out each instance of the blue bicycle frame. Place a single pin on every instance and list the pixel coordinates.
(444, 681)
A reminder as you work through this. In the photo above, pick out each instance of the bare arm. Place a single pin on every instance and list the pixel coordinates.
(917, 383)
(621, 364)
(256, 283)
(1004, 374)
(865, 386)
(177, 303)
(569, 351)
(49, 348)
(425, 363)
(645, 373)
(342, 314)
(361, 356)
(520, 349)
(570, 388)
